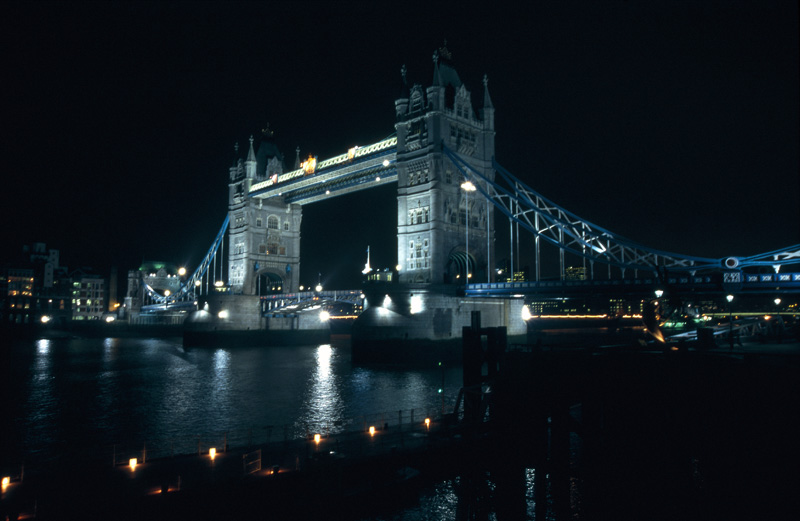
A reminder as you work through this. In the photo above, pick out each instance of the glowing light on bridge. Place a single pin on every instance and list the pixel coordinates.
(416, 304)
(132, 463)
(223, 314)
(387, 301)
(526, 313)
(45, 319)
(309, 165)
(324, 316)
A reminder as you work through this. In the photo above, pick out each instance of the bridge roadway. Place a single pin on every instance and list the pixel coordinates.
(753, 284)
(777, 284)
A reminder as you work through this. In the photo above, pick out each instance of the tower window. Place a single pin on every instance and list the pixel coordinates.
(272, 222)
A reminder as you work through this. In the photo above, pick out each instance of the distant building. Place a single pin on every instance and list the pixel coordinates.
(575, 273)
(88, 296)
(35, 288)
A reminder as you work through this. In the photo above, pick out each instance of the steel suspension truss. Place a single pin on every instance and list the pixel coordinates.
(555, 225)
(190, 285)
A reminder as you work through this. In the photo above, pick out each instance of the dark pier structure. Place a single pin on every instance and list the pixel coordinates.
(674, 434)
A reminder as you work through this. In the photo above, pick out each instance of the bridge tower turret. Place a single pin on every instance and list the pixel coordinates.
(264, 234)
(432, 207)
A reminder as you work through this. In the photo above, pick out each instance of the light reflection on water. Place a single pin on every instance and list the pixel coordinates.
(323, 410)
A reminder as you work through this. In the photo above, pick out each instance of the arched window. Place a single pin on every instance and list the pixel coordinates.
(272, 222)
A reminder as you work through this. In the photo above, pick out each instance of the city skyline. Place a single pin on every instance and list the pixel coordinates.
(675, 125)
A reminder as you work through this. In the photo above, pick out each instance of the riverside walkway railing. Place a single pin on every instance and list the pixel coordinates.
(352, 434)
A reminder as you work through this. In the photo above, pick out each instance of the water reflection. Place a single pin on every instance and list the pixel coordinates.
(41, 398)
(43, 346)
(220, 384)
(323, 410)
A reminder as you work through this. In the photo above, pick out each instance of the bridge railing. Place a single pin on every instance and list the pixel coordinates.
(787, 281)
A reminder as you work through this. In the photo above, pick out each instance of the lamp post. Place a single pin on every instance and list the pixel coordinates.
(729, 298)
(468, 187)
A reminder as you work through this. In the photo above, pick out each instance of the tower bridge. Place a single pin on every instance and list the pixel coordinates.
(450, 189)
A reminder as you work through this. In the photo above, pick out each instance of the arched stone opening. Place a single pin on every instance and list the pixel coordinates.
(456, 267)
(269, 283)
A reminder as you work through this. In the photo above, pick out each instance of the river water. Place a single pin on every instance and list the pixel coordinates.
(83, 396)
(75, 400)
(722, 443)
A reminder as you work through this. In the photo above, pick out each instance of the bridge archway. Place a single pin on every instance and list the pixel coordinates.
(456, 267)
(269, 283)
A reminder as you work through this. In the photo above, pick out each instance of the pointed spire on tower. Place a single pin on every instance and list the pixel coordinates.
(487, 100)
(404, 91)
(250, 163)
(235, 153)
(297, 159)
(251, 155)
(437, 77)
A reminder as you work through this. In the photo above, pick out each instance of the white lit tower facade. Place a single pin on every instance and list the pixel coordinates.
(445, 232)
(264, 234)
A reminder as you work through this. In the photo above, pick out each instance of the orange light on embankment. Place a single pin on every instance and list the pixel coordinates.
(428, 423)
(212, 452)
(6, 481)
(372, 430)
(317, 438)
(132, 462)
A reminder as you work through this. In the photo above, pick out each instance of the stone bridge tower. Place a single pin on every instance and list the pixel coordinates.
(432, 206)
(264, 235)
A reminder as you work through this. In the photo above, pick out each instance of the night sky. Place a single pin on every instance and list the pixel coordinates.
(674, 124)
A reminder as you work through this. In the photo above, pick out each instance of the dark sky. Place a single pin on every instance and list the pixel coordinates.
(672, 123)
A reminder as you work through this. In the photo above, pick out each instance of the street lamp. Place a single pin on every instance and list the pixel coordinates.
(468, 187)
(659, 293)
(729, 298)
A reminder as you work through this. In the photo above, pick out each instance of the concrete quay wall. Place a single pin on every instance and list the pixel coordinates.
(236, 319)
(418, 322)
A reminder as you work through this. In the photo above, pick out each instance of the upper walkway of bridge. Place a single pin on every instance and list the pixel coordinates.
(358, 169)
